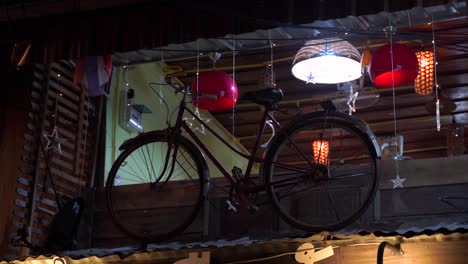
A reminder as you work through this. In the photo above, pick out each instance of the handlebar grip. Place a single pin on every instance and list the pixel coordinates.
(208, 96)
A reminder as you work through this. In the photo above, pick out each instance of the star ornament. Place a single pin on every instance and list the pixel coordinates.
(352, 102)
(398, 182)
(192, 120)
(53, 141)
(310, 78)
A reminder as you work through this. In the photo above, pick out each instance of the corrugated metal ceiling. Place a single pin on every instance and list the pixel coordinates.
(286, 34)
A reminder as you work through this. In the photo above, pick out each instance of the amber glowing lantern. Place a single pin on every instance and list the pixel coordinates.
(393, 65)
(321, 148)
(424, 82)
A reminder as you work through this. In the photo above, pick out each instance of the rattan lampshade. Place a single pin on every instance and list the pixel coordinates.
(330, 61)
(321, 148)
(424, 82)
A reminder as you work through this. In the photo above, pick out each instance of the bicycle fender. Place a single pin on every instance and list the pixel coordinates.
(142, 136)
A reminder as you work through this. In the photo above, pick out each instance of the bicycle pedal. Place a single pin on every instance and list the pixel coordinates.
(237, 172)
(253, 208)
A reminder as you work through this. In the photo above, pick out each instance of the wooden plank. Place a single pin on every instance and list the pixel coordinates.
(426, 172)
(423, 201)
(80, 132)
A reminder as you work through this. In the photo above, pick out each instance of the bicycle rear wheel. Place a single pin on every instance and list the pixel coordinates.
(148, 202)
(321, 173)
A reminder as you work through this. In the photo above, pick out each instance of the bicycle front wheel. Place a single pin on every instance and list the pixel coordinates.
(151, 203)
(321, 173)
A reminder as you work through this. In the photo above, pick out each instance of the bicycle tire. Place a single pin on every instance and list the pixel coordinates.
(174, 201)
(307, 207)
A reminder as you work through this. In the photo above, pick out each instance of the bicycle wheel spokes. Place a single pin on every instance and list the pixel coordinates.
(148, 202)
(332, 192)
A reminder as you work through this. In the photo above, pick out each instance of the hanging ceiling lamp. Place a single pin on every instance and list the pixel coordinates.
(330, 61)
(320, 148)
(405, 65)
(424, 82)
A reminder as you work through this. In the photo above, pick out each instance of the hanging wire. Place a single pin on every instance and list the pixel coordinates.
(394, 103)
(233, 100)
(161, 78)
(436, 84)
(198, 73)
(125, 77)
(234, 81)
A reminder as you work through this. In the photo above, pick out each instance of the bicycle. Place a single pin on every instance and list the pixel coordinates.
(310, 191)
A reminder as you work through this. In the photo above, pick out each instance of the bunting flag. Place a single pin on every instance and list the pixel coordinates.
(93, 73)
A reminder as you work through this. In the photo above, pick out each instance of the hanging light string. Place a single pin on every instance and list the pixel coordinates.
(126, 85)
(272, 78)
(272, 84)
(436, 84)
(394, 102)
(85, 142)
(57, 94)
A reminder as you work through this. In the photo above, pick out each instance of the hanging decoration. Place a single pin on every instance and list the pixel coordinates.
(93, 72)
(268, 78)
(53, 141)
(328, 61)
(215, 90)
(437, 104)
(196, 96)
(321, 148)
(424, 82)
(194, 124)
(400, 70)
(446, 105)
(366, 60)
(387, 70)
(352, 100)
(398, 182)
(269, 81)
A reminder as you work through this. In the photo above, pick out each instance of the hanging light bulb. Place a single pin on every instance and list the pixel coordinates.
(320, 148)
(424, 82)
(268, 78)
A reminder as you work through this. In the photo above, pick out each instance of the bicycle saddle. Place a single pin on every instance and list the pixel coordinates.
(267, 96)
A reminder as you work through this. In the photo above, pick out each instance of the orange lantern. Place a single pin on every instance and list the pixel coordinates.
(424, 82)
(320, 148)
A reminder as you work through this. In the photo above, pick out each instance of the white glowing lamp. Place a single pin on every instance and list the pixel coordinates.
(328, 61)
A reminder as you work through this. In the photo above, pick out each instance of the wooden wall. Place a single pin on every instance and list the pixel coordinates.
(414, 207)
(52, 100)
(13, 116)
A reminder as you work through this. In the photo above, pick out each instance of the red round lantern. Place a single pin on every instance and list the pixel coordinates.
(405, 66)
(216, 91)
